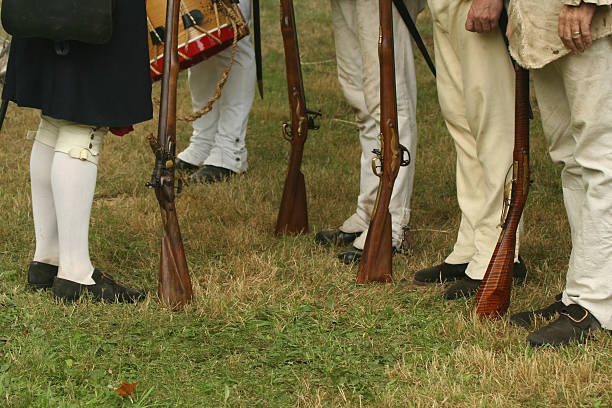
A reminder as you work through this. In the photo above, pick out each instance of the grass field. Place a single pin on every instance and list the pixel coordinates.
(280, 322)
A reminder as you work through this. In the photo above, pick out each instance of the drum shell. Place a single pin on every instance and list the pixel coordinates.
(196, 43)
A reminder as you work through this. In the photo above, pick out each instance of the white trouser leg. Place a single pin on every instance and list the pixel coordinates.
(202, 81)
(578, 87)
(476, 92)
(43, 206)
(218, 137)
(356, 34)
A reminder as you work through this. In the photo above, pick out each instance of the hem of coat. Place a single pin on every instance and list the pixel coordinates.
(93, 122)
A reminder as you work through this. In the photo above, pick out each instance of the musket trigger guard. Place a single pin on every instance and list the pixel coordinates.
(286, 131)
(375, 167)
(375, 160)
(405, 162)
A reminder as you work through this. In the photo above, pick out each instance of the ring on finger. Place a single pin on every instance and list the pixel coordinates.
(576, 34)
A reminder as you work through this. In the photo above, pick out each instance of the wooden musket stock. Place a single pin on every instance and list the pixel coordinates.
(174, 282)
(375, 264)
(493, 295)
(293, 211)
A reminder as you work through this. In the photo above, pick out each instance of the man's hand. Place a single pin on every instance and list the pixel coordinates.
(483, 15)
(575, 26)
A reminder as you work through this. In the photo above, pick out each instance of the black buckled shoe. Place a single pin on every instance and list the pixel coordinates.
(519, 273)
(350, 255)
(211, 174)
(105, 288)
(526, 319)
(467, 287)
(575, 324)
(353, 255)
(183, 166)
(336, 238)
(40, 275)
(440, 273)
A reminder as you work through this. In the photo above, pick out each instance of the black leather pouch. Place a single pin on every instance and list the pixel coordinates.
(88, 21)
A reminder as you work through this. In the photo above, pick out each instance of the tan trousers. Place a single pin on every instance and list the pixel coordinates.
(356, 24)
(476, 92)
(575, 99)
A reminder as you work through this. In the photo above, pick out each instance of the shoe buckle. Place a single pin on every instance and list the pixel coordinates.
(586, 314)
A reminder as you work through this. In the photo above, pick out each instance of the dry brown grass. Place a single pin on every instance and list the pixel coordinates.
(279, 322)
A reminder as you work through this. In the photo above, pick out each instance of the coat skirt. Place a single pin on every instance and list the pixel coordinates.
(98, 85)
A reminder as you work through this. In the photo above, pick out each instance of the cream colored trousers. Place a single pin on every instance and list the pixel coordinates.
(575, 99)
(476, 91)
(356, 28)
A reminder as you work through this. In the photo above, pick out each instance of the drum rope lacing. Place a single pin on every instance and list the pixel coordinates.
(233, 18)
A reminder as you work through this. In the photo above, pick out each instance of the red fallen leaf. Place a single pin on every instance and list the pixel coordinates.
(125, 389)
(25, 332)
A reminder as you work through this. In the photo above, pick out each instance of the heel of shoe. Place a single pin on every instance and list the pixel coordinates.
(36, 287)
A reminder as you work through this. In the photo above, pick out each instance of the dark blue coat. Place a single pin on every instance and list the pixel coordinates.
(99, 85)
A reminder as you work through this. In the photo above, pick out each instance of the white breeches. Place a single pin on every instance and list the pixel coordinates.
(575, 98)
(218, 137)
(356, 25)
(77, 141)
(476, 91)
(63, 172)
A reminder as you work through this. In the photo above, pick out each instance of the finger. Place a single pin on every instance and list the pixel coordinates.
(494, 22)
(585, 28)
(568, 41)
(477, 26)
(486, 26)
(562, 25)
(469, 23)
(508, 28)
(577, 36)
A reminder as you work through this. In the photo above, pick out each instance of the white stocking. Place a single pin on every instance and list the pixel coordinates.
(73, 182)
(43, 208)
